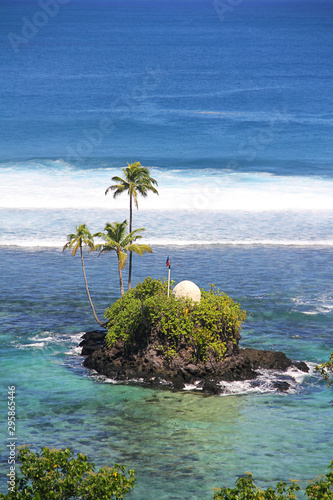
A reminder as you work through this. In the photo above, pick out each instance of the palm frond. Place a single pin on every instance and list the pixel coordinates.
(98, 235)
(136, 231)
(83, 231)
(122, 256)
(135, 197)
(66, 246)
(119, 180)
(148, 183)
(88, 242)
(82, 237)
(133, 236)
(117, 188)
(76, 247)
(107, 248)
(138, 249)
(129, 239)
(116, 231)
(71, 236)
(111, 245)
(98, 247)
(143, 191)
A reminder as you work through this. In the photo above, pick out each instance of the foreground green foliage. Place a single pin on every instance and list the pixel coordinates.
(245, 489)
(322, 488)
(145, 314)
(326, 370)
(58, 475)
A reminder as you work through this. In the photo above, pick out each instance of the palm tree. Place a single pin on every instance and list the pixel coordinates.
(118, 241)
(136, 181)
(76, 241)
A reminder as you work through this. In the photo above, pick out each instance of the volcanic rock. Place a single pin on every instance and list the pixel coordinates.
(151, 366)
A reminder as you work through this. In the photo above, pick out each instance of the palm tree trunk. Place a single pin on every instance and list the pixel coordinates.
(121, 283)
(87, 290)
(130, 256)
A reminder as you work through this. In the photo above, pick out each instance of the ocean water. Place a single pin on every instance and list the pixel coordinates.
(230, 106)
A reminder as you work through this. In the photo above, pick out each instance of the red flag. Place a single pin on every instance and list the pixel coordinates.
(167, 262)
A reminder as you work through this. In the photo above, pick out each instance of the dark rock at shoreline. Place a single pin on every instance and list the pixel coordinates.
(281, 386)
(211, 387)
(92, 341)
(300, 365)
(269, 360)
(149, 365)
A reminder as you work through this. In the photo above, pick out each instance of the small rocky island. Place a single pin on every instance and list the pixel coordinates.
(176, 341)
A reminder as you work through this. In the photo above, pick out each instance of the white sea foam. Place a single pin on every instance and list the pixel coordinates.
(266, 382)
(74, 351)
(31, 243)
(53, 342)
(57, 338)
(102, 378)
(55, 184)
(43, 339)
(195, 207)
(245, 242)
(59, 243)
(320, 304)
(192, 387)
(37, 344)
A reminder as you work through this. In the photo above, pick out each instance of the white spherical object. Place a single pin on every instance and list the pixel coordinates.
(187, 289)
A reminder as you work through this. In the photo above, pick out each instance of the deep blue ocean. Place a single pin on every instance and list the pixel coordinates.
(230, 105)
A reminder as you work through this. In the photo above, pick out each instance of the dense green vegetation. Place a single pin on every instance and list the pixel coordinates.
(58, 475)
(145, 315)
(245, 489)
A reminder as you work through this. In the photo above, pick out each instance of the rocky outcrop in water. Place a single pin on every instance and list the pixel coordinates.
(149, 366)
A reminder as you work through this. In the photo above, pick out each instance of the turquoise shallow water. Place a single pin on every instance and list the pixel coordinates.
(180, 443)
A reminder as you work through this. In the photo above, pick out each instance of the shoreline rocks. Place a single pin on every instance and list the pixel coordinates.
(151, 367)
(92, 341)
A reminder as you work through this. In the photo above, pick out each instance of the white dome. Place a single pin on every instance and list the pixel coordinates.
(187, 289)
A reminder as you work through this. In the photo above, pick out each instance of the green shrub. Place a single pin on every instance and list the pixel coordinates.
(168, 319)
(245, 489)
(145, 315)
(216, 317)
(58, 475)
(321, 489)
(149, 287)
(124, 319)
(326, 370)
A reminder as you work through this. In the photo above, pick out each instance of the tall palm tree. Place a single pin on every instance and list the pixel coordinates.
(136, 181)
(76, 241)
(118, 241)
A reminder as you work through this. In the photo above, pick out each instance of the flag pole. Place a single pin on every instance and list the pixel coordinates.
(169, 281)
(167, 264)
